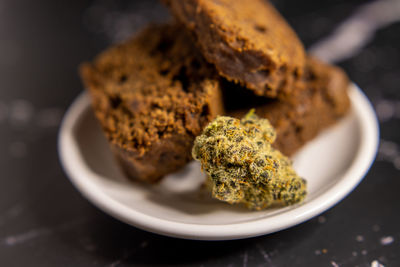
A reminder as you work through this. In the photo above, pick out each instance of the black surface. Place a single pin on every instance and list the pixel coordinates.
(44, 221)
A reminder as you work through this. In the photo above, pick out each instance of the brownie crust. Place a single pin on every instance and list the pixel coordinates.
(152, 95)
(300, 119)
(249, 43)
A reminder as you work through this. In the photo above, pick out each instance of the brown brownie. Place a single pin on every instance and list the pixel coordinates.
(152, 96)
(300, 119)
(247, 41)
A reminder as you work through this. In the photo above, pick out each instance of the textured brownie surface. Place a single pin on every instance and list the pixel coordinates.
(152, 96)
(300, 119)
(248, 42)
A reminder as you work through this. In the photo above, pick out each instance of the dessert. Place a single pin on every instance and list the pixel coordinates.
(152, 95)
(249, 42)
(243, 167)
(299, 119)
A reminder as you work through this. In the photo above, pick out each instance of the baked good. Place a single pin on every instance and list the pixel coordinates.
(248, 42)
(152, 96)
(299, 119)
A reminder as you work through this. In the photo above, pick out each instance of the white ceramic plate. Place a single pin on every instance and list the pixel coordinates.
(333, 164)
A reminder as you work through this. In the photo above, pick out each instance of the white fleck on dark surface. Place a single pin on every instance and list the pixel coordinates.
(354, 253)
(396, 162)
(334, 264)
(387, 240)
(376, 228)
(88, 244)
(385, 110)
(21, 112)
(376, 263)
(360, 238)
(18, 149)
(321, 219)
(389, 151)
(364, 252)
(317, 252)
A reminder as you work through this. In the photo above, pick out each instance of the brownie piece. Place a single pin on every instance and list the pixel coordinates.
(298, 120)
(248, 42)
(152, 95)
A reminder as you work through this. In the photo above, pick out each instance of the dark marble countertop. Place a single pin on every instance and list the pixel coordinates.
(44, 221)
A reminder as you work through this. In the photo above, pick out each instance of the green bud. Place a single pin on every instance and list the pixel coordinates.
(242, 166)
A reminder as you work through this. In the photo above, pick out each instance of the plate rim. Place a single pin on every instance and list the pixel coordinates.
(73, 165)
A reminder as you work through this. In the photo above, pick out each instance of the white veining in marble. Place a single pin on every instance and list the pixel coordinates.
(21, 238)
(265, 255)
(355, 32)
(245, 258)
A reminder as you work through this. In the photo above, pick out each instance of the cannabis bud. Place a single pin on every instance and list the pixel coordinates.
(243, 167)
